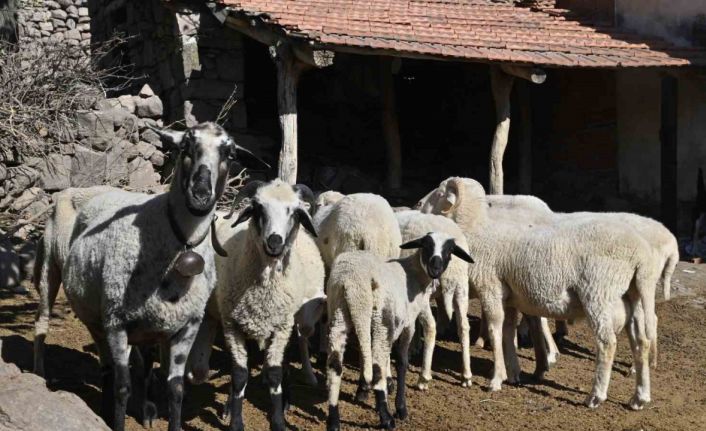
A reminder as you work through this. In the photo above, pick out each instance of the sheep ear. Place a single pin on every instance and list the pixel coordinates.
(244, 215)
(410, 245)
(450, 199)
(305, 220)
(462, 254)
(172, 138)
(248, 159)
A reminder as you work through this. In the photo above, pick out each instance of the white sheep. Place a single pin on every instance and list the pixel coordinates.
(452, 294)
(271, 271)
(51, 255)
(379, 300)
(566, 269)
(360, 221)
(140, 267)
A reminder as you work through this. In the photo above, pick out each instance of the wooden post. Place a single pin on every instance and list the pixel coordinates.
(501, 84)
(525, 138)
(668, 138)
(288, 72)
(501, 80)
(390, 126)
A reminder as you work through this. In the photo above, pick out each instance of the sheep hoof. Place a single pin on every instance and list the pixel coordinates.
(638, 404)
(633, 371)
(423, 386)
(401, 413)
(496, 385)
(466, 382)
(387, 424)
(593, 401)
(480, 342)
(149, 414)
(552, 359)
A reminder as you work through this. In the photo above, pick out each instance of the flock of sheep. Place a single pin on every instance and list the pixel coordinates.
(166, 270)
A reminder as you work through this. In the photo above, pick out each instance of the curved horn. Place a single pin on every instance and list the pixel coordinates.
(248, 191)
(305, 194)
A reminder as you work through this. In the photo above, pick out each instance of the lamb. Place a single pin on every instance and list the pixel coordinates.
(272, 271)
(139, 269)
(370, 295)
(566, 269)
(52, 250)
(453, 292)
(360, 221)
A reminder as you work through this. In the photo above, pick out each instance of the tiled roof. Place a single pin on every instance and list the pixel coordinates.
(474, 30)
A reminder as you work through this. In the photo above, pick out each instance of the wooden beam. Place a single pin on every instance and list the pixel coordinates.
(525, 138)
(531, 74)
(390, 125)
(255, 29)
(288, 73)
(501, 84)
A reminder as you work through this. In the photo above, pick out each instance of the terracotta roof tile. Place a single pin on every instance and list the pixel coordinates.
(476, 30)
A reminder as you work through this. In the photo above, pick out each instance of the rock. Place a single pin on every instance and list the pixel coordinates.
(27, 197)
(71, 24)
(59, 24)
(106, 104)
(157, 158)
(3, 171)
(27, 404)
(65, 3)
(10, 277)
(56, 37)
(142, 175)
(50, 4)
(146, 150)
(150, 107)
(20, 178)
(73, 34)
(127, 102)
(97, 127)
(59, 14)
(55, 172)
(72, 11)
(87, 168)
(146, 91)
(152, 137)
(116, 162)
(83, 11)
(46, 26)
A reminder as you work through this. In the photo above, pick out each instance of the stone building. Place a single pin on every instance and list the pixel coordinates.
(590, 104)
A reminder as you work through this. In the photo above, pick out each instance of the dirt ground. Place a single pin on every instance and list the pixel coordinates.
(678, 384)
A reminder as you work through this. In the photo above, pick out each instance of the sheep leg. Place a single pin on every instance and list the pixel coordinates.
(549, 341)
(606, 341)
(562, 330)
(334, 367)
(303, 343)
(402, 363)
(119, 352)
(464, 335)
(484, 337)
(640, 346)
(200, 355)
(495, 315)
(235, 341)
(107, 377)
(426, 317)
(382, 342)
(141, 361)
(48, 286)
(274, 374)
(179, 347)
(512, 363)
(540, 347)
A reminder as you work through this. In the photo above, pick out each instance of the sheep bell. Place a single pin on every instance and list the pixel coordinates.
(189, 264)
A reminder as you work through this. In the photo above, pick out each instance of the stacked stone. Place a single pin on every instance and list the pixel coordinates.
(52, 21)
(112, 144)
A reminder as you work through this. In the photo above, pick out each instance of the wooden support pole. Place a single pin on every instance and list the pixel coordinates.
(288, 72)
(668, 138)
(501, 84)
(525, 138)
(390, 126)
(533, 74)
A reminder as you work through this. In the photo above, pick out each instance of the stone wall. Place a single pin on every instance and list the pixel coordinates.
(190, 59)
(54, 21)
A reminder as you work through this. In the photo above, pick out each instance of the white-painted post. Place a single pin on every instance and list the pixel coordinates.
(501, 84)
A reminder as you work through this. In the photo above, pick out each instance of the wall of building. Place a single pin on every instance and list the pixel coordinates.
(50, 21)
(638, 106)
(678, 21)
